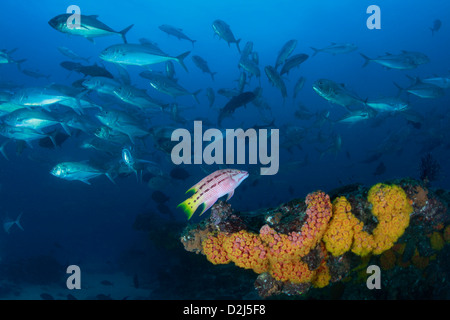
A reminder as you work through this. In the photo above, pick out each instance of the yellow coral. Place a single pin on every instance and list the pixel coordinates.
(323, 276)
(392, 208)
(363, 243)
(338, 237)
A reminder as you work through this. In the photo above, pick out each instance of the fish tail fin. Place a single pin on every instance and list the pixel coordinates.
(52, 136)
(316, 51)
(19, 63)
(237, 45)
(193, 41)
(66, 128)
(432, 31)
(189, 206)
(400, 89)
(212, 75)
(108, 175)
(17, 222)
(366, 58)
(124, 32)
(180, 60)
(2, 149)
(195, 95)
(15, 49)
(272, 124)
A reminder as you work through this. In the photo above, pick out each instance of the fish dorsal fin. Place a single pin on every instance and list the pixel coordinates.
(93, 16)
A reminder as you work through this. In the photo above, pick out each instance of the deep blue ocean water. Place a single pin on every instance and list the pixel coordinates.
(92, 225)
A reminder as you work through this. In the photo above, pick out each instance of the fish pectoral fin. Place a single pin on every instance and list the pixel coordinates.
(86, 181)
(230, 195)
(108, 175)
(28, 142)
(208, 204)
(131, 138)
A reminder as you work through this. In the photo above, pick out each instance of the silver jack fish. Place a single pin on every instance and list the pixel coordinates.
(168, 86)
(80, 171)
(336, 48)
(122, 122)
(176, 32)
(90, 27)
(203, 65)
(5, 57)
(336, 93)
(223, 30)
(285, 52)
(276, 80)
(293, 62)
(405, 61)
(139, 55)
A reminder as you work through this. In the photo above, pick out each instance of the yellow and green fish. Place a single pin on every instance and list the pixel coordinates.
(211, 188)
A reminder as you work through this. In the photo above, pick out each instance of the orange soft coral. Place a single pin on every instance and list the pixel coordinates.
(318, 213)
(247, 251)
(281, 247)
(213, 249)
(285, 251)
(293, 271)
(392, 208)
(283, 255)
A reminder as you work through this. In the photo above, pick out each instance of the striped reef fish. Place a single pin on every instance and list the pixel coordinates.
(211, 188)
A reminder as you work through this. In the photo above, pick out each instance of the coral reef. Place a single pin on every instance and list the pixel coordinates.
(339, 235)
(311, 244)
(391, 207)
(214, 250)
